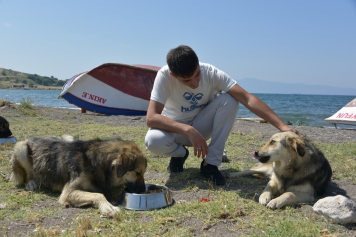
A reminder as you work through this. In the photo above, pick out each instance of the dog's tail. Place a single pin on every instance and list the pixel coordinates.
(262, 171)
(22, 170)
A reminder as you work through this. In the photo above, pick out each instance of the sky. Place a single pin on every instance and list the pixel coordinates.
(311, 42)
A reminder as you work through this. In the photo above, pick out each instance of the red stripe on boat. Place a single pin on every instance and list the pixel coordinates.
(136, 81)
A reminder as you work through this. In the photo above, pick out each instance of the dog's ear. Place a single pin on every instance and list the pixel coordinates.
(298, 146)
(121, 164)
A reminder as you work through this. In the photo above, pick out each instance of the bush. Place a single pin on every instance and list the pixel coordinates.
(26, 104)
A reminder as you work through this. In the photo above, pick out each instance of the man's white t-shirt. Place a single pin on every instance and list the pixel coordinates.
(182, 103)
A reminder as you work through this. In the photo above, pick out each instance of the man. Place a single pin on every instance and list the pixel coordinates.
(184, 110)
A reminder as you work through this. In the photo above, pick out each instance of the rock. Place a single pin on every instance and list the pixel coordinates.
(338, 209)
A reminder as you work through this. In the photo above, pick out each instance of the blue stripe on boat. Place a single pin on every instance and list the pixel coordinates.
(101, 109)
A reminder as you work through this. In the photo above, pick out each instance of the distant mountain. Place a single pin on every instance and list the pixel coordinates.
(253, 85)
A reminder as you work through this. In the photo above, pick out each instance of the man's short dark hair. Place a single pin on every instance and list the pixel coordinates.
(182, 61)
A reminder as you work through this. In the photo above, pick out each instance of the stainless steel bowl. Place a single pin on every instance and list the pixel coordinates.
(149, 201)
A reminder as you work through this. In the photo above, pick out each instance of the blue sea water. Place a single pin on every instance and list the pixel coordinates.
(45, 98)
(298, 109)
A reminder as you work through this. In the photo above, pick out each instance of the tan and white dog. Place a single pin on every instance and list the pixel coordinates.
(297, 170)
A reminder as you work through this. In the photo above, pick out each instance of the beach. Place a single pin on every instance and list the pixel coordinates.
(181, 191)
(296, 109)
(244, 127)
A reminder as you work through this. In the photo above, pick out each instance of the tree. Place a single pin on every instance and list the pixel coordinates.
(31, 77)
(45, 83)
(60, 83)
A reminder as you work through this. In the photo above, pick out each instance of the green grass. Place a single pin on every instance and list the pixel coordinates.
(232, 207)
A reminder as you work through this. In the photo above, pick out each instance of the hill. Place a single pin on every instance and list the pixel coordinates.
(10, 79)
(259, 86)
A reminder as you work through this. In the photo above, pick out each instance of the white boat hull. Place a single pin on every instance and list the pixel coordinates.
(346, 115)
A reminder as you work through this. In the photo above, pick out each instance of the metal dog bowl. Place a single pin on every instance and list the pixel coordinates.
(8, 140)
(148, 201)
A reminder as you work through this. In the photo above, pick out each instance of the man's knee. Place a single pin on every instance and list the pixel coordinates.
(151, 143)
(155, 141)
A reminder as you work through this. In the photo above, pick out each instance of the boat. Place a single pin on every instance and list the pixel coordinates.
(112, 89)
(346, 115)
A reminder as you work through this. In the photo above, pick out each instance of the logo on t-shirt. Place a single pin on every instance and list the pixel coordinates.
(193, 100)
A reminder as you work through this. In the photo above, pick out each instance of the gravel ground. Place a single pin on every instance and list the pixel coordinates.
(317, 134)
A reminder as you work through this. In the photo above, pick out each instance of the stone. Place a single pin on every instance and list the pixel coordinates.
(338, 209)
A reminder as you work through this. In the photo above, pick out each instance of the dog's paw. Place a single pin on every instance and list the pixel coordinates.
(108, 211)
(275, 203)
(32, 185)
(264, 199)
(67, 137)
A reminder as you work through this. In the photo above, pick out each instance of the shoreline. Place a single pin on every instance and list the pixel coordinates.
(247, 118)
(292, 109)
(241, 126)
(27, 89)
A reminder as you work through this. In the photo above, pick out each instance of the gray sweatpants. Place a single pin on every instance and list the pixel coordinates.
(215, 121)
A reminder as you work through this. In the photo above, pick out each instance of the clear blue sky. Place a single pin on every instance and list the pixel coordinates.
(303, 41)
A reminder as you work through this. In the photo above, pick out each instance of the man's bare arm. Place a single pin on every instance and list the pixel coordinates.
(258, 107)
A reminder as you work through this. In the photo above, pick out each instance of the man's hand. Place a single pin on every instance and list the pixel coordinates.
(198, 142)
(287, 128)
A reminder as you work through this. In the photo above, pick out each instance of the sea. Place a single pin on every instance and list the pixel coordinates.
(295, 109)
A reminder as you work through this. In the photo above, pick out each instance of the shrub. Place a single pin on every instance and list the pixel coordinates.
(26, 104)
